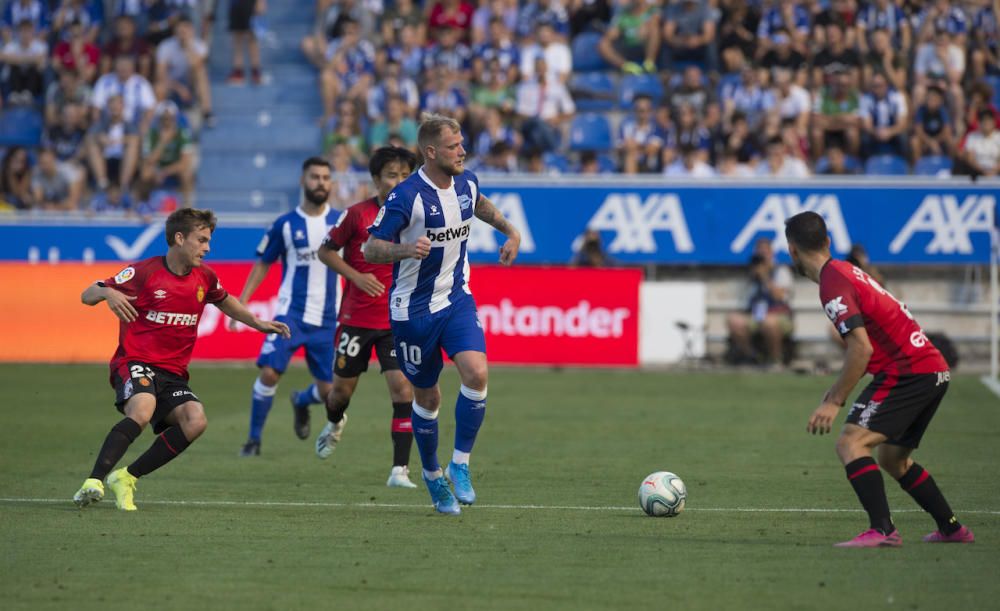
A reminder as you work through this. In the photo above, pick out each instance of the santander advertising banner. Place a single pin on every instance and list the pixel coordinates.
(531, 315)
(558, 315)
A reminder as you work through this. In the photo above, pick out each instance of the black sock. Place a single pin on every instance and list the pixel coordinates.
(402, 434)
(919, 484)
(115, 445)
(335, 413)
(866, 479)
(165, 448)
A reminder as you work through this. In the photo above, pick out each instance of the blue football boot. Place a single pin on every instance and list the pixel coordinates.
(444, 501)
(459, 477)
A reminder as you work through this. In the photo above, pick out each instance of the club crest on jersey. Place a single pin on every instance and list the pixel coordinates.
(464, 201)
(125, 275)
(201, 294)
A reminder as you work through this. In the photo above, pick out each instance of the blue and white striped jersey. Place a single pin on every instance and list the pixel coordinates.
(416, 207)
(308, 288)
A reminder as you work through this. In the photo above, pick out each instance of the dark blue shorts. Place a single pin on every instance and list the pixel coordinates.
(317, 341)
(419, 341)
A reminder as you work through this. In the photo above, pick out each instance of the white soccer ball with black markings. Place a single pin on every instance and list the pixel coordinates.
(662, 494)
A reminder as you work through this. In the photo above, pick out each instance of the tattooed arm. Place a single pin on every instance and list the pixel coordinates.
(383, 251)
(488, 213)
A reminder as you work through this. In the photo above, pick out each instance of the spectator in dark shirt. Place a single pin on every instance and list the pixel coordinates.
(640, 142)
(836, 163)
(689, 33)
(695, 92)
(67, 140)
(885, 60)
(15, 178)
(782, 54)
(26, 58)
(66, 90)
(737, 34)
(591, 252)
(933, 132)
(588, 16)
(834, 57)
(125, 42)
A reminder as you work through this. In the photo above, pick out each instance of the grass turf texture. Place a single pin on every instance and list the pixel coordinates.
(552, 438)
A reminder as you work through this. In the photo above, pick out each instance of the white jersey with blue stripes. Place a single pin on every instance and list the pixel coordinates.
(308, 287)
(416, 207)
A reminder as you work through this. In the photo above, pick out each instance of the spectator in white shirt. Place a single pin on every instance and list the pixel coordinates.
(557, 56)
(135, 90)
(791, 101)
(24, 59)
(779, 164)
(982, 147)
(544, 105)
(940, 62)
(181, 63)
(689, 165)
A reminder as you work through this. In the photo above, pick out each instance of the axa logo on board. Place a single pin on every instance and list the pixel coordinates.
(949, 221)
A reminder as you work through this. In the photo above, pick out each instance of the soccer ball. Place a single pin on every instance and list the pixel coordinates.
(662, 494)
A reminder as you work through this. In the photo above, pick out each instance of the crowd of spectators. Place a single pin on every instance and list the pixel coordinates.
(121, 87)
(781, 88)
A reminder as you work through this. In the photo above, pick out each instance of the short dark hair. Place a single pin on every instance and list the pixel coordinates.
(385, 155)
(806, 230)
(187, 220)
(308, 163)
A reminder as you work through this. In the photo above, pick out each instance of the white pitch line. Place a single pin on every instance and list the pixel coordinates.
(292, 504)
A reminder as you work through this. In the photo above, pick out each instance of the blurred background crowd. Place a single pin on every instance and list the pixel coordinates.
(104, 101)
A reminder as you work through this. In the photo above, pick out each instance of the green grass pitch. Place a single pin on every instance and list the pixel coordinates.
(557, 467)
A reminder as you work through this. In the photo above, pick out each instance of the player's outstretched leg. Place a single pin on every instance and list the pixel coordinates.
(425, 433)
(337, 402)
(470, 409)
(301, 400)
(260, 406)
(117, 442)
(402, 441)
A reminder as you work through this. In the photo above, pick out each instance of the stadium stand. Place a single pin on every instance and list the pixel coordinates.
(848, 75)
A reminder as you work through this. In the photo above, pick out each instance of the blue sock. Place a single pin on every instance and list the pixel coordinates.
(263, 396)
(307, 397)
(425, 433)
(470, 409)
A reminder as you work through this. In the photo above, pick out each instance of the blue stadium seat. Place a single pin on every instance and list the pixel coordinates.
(20, 127)
(593, 91)
(851, 163)
(886, 165)
(994, 82)
(641, 84)
(606, 164)
(590, 132)
(556, 161)
(933, 165)
(586, 57)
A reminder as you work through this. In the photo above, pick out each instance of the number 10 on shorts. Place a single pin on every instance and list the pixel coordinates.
(411, 354)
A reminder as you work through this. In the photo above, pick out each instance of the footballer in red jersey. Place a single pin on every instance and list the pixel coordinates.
(159, 302)
(891, 415)
(364, 316)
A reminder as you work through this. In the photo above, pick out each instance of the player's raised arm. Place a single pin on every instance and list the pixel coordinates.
(232, 308)
(383, 251)
(118, 302)
(488, 213)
